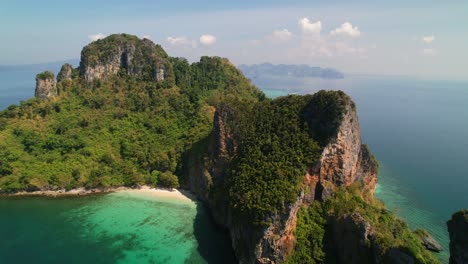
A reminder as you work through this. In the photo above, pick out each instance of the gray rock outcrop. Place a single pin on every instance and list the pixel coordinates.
(121, 52)
(428, 241)
(65, 73)
(46, 86)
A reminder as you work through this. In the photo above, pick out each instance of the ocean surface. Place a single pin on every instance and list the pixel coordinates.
(417, 129)
(123, 227)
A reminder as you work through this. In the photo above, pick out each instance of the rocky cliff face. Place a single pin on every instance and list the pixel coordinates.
(65, 73)
(45, 85)
(136, 57)
(344, 161)
(352, 236)
(458, 232)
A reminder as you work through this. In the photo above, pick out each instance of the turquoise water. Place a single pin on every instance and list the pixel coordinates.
(114, 228)
(418, 131)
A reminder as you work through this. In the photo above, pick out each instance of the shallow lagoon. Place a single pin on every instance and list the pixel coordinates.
(122, 227)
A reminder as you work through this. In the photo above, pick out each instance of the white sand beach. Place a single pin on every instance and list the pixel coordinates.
(162, 193)
(146, 190)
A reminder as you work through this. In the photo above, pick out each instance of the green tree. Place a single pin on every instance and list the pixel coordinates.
(168, 180)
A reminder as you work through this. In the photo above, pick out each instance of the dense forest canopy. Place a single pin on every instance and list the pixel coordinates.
(123, 131)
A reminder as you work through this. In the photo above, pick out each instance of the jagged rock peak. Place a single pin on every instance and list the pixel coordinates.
(65, 73)
(458, 232)
(45, 85)
(136, 57)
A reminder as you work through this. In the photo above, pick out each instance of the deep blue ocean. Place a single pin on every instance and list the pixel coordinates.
(417, 129)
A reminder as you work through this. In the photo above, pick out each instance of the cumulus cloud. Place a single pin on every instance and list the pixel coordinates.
(428, 39)
(310, 44)
(310, 28)
(282, 34)
(207, 39)
(346, 29)
(429, 52)
(96, 36)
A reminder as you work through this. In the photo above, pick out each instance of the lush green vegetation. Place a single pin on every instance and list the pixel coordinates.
(45, 75)
(310, 235)
(325, 113)
(389, 232)
(275, 150)
(213, 77)
(278, 141)
(168, 180)
(119, 132)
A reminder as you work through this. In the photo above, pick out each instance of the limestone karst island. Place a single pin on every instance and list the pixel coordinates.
(135, 154)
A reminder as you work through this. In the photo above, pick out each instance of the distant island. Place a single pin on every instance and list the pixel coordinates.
(257, 70)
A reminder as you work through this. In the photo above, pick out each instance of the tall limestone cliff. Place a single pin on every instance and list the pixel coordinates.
(344, 161)
(141, 58)
(65, 73)
(45, 85)
(458, 232)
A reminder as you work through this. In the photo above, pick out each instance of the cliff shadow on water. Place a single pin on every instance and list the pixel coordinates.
(206, 231)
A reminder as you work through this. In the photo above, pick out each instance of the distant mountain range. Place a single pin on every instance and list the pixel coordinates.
(257, 70)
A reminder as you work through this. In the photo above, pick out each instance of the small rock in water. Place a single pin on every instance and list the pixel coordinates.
(428, 241)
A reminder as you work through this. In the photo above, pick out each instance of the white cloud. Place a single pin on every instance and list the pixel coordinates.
(207, 39)
(429, 52)
(282, 34)
(308, 27)
(178, 40)
(181, 42)
(428, 39)
(346, 29)
(96, 36)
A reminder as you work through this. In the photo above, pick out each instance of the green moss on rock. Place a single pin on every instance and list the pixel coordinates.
(46, 75)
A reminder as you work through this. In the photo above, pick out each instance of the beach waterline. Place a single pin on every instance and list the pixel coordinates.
(127, 226)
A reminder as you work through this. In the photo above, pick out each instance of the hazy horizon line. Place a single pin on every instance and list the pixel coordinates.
(362, 74)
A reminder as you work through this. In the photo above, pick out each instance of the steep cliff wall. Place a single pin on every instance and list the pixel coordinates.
(45, 85)
(136, 57)
(344, 161)
(458, 231)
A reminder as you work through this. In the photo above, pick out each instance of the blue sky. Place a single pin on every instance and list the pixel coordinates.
(415, 38)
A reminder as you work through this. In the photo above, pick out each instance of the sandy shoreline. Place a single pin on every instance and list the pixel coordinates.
(163, 193)
(156, 192)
